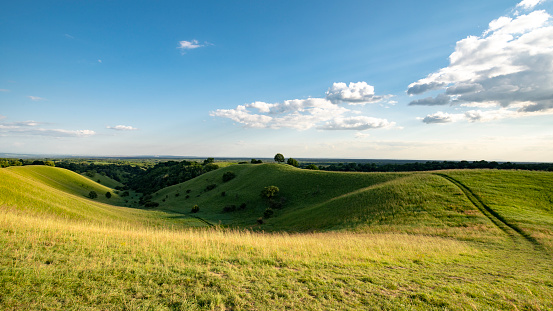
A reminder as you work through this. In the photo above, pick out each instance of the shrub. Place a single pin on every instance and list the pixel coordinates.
(269, 192)
(223, 194)
(260, 220)
(151, 204)
(254, 161)
(177, 194)
(187, 197)
(242, 206)
(108, 195)
(293, 162)
(92, 194)
(210, 187)
(312, 167)
(188, 191)
(229, 208)
(228, 176)
(195, 209)
(268, 213)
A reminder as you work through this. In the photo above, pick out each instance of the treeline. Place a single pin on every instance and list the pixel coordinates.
(122, 172)
(21, 162)
(435, 165)
(169, 173)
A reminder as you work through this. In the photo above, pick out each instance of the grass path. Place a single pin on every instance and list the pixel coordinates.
(507, 227)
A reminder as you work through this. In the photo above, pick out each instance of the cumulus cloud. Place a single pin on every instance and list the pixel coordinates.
(440, 100)
(36, 98)
(303, 114)
(529, 4)
(30, 128)
(122, 128)
(354, 93)
(442, 117)
(509, 64)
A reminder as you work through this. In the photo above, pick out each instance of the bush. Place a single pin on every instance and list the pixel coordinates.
(223, 194)
(229, 208)
(228, 176)
(260, 220)
(269, 192)
(268, 213)
(293, 162)
(210, 187)
(195, 209)
(242, 206)
(312, 167)
(108, 195)
(92, 194)
(254, 161)
(151, 204)
(125, 193)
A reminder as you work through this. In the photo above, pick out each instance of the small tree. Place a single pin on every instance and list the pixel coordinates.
(312, 167)
(279, 158)
(228, 176)
(108, 194)
(195, 209)
(269, 192)
(293, 162)
(92, 194)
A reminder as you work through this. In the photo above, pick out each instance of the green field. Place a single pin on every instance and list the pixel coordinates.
(445, 240)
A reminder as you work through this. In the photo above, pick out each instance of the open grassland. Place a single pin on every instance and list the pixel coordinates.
(53, 264)
(398, 241)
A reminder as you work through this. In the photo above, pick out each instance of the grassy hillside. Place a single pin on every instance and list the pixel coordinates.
(322, 201)
(398, 241)
(54, 192)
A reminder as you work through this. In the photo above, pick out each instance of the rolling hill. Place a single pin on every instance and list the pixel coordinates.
(445, 240)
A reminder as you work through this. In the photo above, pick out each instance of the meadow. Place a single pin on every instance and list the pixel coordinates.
(341, 241)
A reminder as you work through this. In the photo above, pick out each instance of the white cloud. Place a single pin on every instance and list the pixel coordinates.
(36, 98)
(122, 128)
(529, 4)
(509, 64)
(190, 45)
(30, 128)
(361, 135)
(359, 123)
(303, 114)
(354, 93)
(442, 117)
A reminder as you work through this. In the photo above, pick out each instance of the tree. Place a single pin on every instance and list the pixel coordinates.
(108, 194)
(195, 209)
(279, 158)
(312, 167)
(293, 162)
(228, 176)
(269, 192)
(92, 194)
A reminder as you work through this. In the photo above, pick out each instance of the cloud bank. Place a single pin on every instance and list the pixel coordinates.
(326, 113)
(509, 66)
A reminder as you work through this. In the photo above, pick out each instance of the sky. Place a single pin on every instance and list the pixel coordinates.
(430, 80)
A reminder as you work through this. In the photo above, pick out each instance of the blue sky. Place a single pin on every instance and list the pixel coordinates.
(437, 80)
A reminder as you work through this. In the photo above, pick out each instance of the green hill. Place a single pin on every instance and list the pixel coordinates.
(447, 240)
(54, 192)
(318, 200)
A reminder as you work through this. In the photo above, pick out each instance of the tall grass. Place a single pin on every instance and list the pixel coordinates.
(56, 264)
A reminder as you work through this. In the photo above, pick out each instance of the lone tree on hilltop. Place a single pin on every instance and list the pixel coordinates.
(293, 162)
(279, 158)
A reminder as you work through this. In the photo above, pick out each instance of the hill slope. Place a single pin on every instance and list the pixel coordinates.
(54, 192)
